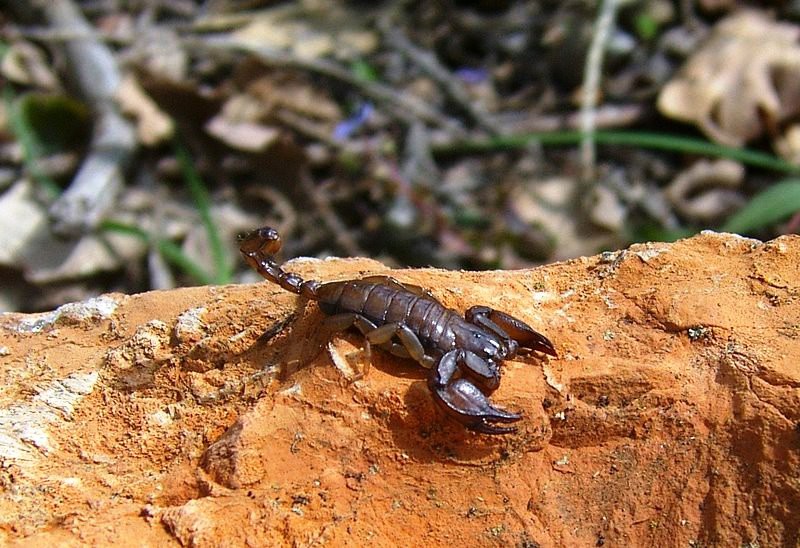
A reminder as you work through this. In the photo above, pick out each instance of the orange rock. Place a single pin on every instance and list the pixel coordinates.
(671, 416)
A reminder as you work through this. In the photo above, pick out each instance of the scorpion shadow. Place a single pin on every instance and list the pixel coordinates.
(417, 427)
(426, 435)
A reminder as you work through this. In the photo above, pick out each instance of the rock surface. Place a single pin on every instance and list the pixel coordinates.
(206, 416)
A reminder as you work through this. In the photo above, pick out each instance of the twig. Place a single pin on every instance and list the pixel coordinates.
(404, 107)
(638, 139)
(99, 180)
(329, 217)
(280, 204)
(605, 116)
(428, 62)
(309, 128)
(591, 82)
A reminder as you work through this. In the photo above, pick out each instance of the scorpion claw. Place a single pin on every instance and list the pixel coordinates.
(512, 330)
(464, 402)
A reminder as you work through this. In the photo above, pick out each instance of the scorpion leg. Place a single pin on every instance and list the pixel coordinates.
(345, 320)
(408, 339)
(463, 401)
(340, 322)
(510, 329)
(395, 349)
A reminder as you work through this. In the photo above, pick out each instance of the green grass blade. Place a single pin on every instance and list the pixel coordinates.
(175, 255)
(766, 208)
(641, 139)
(223, 271)
(32, 149)
(695, 146)
(171, 252)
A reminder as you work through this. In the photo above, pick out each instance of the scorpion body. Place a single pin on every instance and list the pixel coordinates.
(462, 353)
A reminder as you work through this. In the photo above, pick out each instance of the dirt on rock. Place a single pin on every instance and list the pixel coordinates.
(221, 416)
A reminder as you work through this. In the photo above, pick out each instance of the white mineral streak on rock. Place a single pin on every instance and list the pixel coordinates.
(25, 427)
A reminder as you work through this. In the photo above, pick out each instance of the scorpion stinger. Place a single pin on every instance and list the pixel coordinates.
(462, 353)
(258, 248)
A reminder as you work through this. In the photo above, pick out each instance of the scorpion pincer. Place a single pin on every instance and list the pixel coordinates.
(462, 354)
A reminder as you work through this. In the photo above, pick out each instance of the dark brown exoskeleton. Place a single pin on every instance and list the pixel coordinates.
(462, 354)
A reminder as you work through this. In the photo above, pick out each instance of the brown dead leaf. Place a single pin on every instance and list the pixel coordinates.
(548, 205)
(327, 29)
(298, 96)
(239, 124)
(788, 144)
(745, 80)
(153, 126)
(707, 190)
(248, 136)
(25, 64)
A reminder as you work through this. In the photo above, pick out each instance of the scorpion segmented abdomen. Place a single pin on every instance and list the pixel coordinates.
(376, 305)
(429, 320)
(418, 315)
(398, 310)
(354, 297)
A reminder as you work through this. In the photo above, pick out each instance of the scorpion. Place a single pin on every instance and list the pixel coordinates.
(462, 353)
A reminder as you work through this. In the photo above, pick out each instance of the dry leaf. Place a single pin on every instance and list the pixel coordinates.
(248, 136)
(706, 191)
(159, 51)
(788, 144)
(264, 31)
(25, 64)
(239, 124)
(743, 81)
(325, 29)
(27, 242)
(299, 97)
(549, 205)
(21, 216)
(152, 125)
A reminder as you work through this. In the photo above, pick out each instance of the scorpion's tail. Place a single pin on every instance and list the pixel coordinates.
(258, 248)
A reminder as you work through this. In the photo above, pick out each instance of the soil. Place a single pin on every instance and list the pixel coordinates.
(220, 416)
